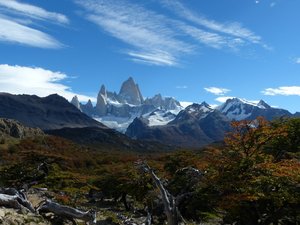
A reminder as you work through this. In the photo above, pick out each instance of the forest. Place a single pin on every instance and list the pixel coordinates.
(253, 177)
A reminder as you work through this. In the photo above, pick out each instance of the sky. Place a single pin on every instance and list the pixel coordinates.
(192, 50)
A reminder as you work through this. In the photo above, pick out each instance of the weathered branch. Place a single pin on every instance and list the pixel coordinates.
(67, 212)
(15, 201)
(169, 201)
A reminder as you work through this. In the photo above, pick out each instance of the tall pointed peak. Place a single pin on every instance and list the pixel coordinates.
(130, 79)
(130, 92)
(89, 103)
(103, 90)
(75, 102)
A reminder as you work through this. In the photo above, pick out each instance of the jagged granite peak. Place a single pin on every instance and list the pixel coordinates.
(89, 103)
(76, 102)
(87, 108)
(130, 93)
(166, 103)
(101, 106)
(103, 91)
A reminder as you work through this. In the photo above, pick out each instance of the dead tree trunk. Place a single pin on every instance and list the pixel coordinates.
(169, 201)
(15, 202)
(8, 196)
(67, 212)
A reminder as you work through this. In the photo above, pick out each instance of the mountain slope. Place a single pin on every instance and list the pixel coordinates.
(51, 112)
(107, 139)
(196, 126)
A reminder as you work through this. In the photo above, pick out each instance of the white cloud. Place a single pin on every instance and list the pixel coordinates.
(35, 81)
(223, 99)
(286, 91)
(232, 28)
(158, 39)
(273, 4)
(14, 32)
(17, 21)
(217, 91)
(297, 60)
(182, 87)
(185, 104)
(152, 40)
(33, 11)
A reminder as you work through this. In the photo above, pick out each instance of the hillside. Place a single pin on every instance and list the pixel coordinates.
(51, 112)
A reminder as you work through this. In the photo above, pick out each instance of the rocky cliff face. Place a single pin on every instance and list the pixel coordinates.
(15, 129)
(130, 93)
(101, 107)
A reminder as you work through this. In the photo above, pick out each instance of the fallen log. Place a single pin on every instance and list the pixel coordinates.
(15, 202)
(10, 197)
(67, 212)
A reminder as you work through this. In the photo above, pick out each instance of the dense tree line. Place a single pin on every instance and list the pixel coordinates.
(253, 178)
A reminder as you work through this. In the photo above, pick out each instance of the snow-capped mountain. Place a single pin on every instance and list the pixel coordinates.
(195, 126)
(117, 111)
(163, 119)
(200, 124)
(239, 109)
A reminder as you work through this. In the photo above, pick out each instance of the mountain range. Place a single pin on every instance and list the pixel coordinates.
(27, 115)
(126, 119)
(118, 111)
(166, 121)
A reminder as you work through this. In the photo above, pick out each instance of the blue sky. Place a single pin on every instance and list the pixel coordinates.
(193, 50)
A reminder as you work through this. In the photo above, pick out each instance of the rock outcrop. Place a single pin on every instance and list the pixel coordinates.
(15, 129)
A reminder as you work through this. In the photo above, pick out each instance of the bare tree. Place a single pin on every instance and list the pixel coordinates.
(169, 201)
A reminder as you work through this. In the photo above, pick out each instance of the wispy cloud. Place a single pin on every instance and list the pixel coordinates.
(182, 87)
(151, 38)
(159, 39)
(217, 91)
(32, 11)
(233, 29)
(14, 32)
(297, 60)
(17, 22)
(286, 91)
(14, 79)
